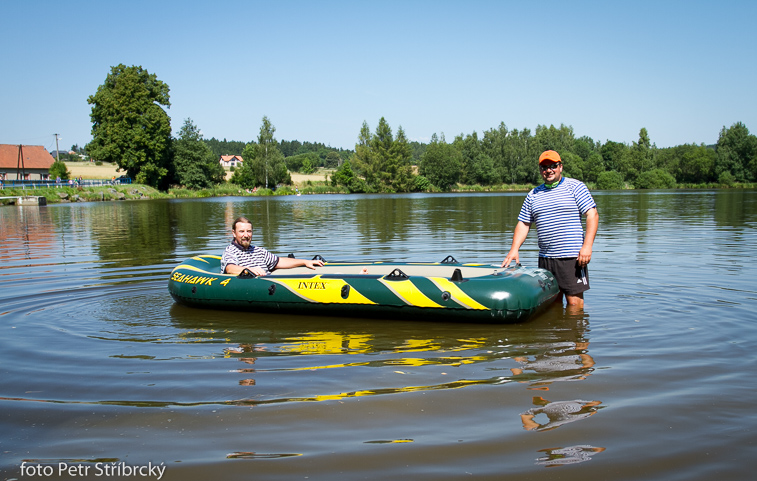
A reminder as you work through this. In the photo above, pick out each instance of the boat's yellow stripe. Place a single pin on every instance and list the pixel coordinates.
(410, 294)
(202, 258)
(193, 268)
(327, 291)
(457, 294)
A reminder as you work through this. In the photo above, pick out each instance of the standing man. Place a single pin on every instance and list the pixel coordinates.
(556, 207)
(241, 254)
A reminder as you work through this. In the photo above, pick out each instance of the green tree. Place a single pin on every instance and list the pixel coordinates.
(737, 153)
(263, 161)
(655, 179)
(346, 177)
(384, 161)
(195, 165)
(130, 127)
(440, 163)
(611, 180)
(573, 165)
(59, 169)
(593, 167)
(612, 154)
(363, 158)
(401, 154)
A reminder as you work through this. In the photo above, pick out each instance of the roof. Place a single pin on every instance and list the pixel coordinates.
(229, 158)
(35, 157)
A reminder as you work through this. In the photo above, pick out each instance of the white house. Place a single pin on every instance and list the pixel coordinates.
(231, 161)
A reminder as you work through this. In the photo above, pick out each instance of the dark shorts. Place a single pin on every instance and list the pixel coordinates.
(571, 278)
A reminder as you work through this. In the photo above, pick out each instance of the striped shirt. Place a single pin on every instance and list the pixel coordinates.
(557, 213)
(253, 256)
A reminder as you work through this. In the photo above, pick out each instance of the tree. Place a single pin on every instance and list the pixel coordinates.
(737, 153)
(59, 169)
(196, 166)
(610, 181)
(384, 161)
(399, 163)
(655, 179)
(130, 127)
(263, 161)
(440, 163)
(346, 177)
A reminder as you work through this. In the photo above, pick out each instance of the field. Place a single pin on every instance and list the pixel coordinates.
(88, 170)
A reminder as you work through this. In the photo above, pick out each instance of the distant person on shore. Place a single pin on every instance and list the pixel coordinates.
(241, 255)
(556, 207)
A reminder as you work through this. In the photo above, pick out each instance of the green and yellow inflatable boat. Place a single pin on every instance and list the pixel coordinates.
(444, 291)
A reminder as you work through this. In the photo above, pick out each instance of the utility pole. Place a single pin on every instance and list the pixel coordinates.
(57, 150)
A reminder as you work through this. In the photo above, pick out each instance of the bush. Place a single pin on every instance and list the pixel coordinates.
(655, 179)
(610, 181)
(726, 178)
(421, 183)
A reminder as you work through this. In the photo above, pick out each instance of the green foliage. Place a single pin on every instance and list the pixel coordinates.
(344, 176)
(263, 161)
(593, 167)
(573, 165)
(306, 163)
(224, 147)
(59, 169)
(441, 163)
(513, 154)
(737, 153)
(129, 126)
(382, 160)
(610, 180)
(196, 166)
(726, 178)
(422, 184)
(655, 179)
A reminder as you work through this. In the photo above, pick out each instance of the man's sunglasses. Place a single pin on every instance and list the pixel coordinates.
(549, 167)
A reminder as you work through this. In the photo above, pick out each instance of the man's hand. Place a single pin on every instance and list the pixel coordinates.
(511, 256)
(584, 256)
(313, 264)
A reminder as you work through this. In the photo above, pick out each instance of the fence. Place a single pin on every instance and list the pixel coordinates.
(41, 184)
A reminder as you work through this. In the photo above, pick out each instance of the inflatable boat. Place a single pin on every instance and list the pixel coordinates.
(443, 291)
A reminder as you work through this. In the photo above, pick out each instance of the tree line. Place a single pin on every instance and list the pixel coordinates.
(131, 129)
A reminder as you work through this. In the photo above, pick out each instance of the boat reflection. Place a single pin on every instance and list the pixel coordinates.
(311, 359)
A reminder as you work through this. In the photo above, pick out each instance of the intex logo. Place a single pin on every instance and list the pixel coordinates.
(311, 285)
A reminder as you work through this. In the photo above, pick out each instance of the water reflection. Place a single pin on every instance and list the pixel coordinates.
(285, 359)
(557, 413)
(555, 457)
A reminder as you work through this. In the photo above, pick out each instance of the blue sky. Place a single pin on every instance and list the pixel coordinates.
(681, 69)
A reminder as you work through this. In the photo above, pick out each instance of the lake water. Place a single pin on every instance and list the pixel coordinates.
(103, 375)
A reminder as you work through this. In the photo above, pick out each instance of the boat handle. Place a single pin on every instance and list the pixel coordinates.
(246, 274)
(449, 260)
(396, 275)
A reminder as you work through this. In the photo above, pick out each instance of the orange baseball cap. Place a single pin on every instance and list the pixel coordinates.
(549, 156)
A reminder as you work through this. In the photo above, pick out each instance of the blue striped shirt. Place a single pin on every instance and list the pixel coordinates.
(556, 213)
(251, 257)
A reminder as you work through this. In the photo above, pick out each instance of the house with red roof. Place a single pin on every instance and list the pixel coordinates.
(24, 162)
(231, 161)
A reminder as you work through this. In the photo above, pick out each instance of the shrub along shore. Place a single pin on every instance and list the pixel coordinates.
(64, 193)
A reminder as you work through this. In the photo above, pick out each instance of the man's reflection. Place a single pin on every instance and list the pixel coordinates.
(245, 349)
(568, 455)
(566, 361)
(557, 413)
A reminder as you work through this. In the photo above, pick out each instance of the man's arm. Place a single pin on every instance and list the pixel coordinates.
(519, 237)
(592, 224)
(289, 262)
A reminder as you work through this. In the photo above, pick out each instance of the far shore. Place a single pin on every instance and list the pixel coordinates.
(88, 170)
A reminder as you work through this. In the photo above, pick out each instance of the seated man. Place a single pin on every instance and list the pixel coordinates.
(241, 255)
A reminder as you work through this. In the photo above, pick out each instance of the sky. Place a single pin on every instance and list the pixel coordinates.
(319, 69)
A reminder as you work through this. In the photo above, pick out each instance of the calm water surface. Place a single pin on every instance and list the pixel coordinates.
(654, 380)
